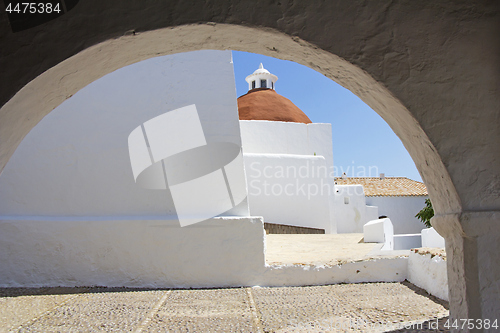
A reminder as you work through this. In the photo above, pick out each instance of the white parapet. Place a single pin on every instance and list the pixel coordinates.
(407, 241)
(219, 252)
(428, 271)
(379, 231)
(431, 238)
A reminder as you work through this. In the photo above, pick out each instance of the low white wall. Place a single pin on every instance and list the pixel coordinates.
(407, 241)
(379, 231)
(401, 211)
(289, 189)
(374, 270)
(134, 253)
(350, 217)
(221, 252)
(429, 272)
(431, 238)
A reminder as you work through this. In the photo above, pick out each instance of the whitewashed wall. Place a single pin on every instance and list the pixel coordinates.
(431, 238)
(289, 189)
(401, 211)
(71, 212)
(407, 241)
(276, 137)
(371, 213)
(379, 231)
(220, 252)
(350, 217)
(75, 162)
(429, 272)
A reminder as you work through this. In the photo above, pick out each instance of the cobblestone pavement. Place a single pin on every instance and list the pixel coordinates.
(364, 307)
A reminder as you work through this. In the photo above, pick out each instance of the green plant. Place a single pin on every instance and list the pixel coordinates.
(426, 213)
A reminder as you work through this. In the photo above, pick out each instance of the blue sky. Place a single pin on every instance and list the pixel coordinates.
(361, 138)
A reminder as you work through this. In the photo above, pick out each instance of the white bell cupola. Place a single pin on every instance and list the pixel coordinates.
(261, 78)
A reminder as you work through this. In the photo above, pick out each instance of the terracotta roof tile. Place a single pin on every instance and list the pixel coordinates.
(389, 186)
(267, 104)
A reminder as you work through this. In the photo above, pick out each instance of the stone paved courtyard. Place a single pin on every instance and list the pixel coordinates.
(366, 307)
(323, 249)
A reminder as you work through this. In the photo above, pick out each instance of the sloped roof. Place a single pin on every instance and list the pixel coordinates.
(267, 104)
(387, 187)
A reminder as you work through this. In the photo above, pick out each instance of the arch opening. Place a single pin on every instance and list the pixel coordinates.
(67, 78)
(20, 114)
(344, 200)
(39, 97)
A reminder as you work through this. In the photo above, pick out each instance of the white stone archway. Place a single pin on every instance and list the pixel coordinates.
(463, 230)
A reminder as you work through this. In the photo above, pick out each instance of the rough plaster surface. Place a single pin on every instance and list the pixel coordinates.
(428, 271)
(473, 271)
(429, 69)
(375, 270)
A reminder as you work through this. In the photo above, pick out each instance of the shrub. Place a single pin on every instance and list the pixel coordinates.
(426, 213)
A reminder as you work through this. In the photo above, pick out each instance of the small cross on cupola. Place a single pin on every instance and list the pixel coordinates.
(261, 78)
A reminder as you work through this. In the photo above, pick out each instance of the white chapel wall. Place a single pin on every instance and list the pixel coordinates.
(305, 141)
(319, 137)
(289, 189)
(277, 137)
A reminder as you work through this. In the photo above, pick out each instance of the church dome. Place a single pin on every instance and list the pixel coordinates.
(267, 104)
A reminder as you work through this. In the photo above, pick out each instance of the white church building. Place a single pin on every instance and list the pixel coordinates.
(289, 164)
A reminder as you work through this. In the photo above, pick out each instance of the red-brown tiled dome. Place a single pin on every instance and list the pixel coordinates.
(267, 104)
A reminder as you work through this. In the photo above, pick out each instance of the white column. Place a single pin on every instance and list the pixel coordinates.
(473, 254)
